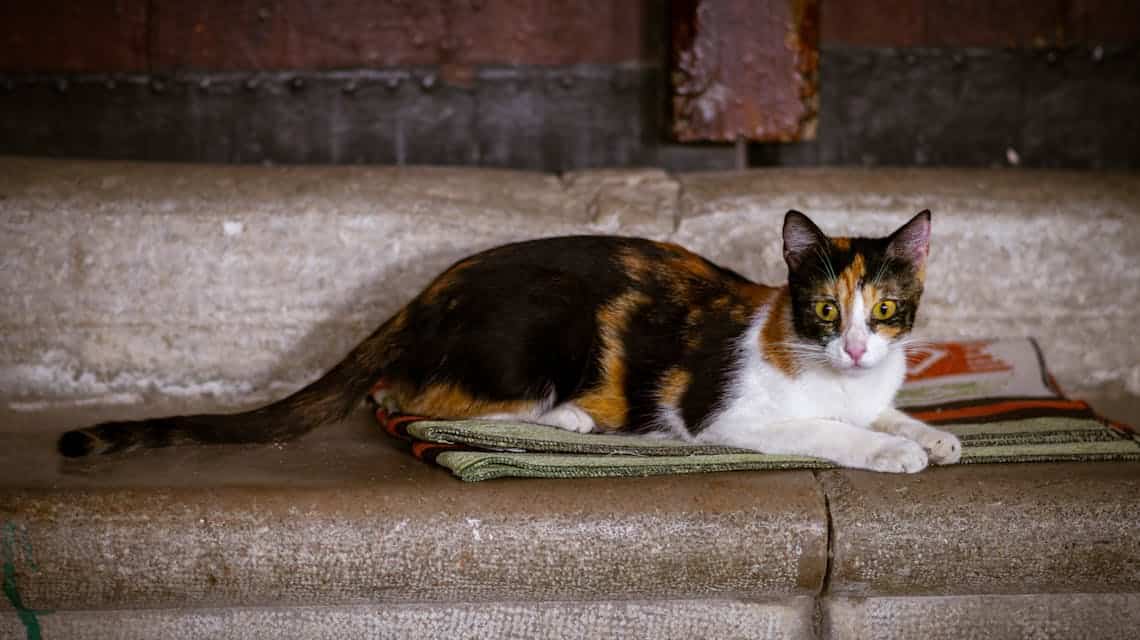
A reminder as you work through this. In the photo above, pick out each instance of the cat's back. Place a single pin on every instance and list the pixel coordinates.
(595, 267)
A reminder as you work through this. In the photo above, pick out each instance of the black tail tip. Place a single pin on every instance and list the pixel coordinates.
(75, 444)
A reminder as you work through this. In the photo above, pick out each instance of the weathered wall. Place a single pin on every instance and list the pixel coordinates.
(553, 86)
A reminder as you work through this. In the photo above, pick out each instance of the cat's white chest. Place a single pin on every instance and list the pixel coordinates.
(763, 393)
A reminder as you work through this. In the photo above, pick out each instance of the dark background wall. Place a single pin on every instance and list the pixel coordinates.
(553, 85)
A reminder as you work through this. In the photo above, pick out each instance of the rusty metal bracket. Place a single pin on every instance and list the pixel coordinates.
(744, 70)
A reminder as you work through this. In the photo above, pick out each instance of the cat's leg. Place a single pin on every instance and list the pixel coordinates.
(941, 447)
(567, 415)
(842, 443)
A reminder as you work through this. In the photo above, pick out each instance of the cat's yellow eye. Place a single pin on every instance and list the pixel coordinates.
(884, 310)
(826, 311)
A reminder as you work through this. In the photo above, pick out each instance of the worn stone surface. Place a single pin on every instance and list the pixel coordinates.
(637, 203)
(676, 619)
(344, 516)
(986, 529)
(1068, 616)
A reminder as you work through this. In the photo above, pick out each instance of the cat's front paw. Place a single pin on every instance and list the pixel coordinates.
(568, 416)
(897, 455)
(941, 447)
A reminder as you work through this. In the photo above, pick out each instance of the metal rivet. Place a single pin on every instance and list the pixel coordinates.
(297, 84)
(351, 87)
(393, 82)
(566, 81)
(251, 84)
(61, 85)
(428, 81)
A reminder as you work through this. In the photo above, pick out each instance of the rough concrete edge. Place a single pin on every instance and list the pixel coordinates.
(847, 617)
(796, 610)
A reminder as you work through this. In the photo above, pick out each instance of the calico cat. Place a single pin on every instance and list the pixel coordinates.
(609, 334)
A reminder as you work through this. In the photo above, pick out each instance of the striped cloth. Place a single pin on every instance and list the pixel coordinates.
(995, 395)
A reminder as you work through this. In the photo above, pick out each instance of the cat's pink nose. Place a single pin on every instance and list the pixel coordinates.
(855, 349)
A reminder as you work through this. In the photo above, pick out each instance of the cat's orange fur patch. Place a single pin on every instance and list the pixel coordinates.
(690, 262)
(673, 386)
(446, 280)
(606, 402)
(634, 263)
(888, 330)
(451, 401)
(842, 244)
(848, 283)
(776, 333)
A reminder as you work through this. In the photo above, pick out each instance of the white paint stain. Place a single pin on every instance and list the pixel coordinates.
(232, 227)
(474, 524)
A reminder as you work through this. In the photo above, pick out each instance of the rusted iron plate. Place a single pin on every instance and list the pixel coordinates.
(339, 34)
(996, 23)
(744, 69)
(73, 36)
(873, 23)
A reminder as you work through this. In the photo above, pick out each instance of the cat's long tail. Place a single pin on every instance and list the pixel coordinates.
(330, 399)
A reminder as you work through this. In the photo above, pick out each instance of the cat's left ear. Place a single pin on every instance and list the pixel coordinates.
(801, 238)
(911, 242)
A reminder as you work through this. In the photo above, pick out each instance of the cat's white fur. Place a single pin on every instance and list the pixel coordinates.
(836, 410)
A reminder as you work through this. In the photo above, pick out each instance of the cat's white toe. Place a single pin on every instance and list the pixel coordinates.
(941, 447)
(898, 455)
(568, 416)
(385, 400)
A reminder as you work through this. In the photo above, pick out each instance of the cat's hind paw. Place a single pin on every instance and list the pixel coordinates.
(898, 455)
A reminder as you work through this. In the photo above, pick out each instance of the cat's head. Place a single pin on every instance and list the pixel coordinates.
(854, 299)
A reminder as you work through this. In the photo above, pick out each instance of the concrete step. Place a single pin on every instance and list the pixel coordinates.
(666, 620)
(344, 516)
(1061, 616)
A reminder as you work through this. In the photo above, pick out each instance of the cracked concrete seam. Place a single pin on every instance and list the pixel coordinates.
(819, 615)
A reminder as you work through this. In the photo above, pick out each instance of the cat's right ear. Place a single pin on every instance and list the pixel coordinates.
(801, 238)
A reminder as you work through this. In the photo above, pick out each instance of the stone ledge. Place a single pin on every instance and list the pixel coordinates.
(346, 517)
(665, 620)
(986, 529)
(1064, 616)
